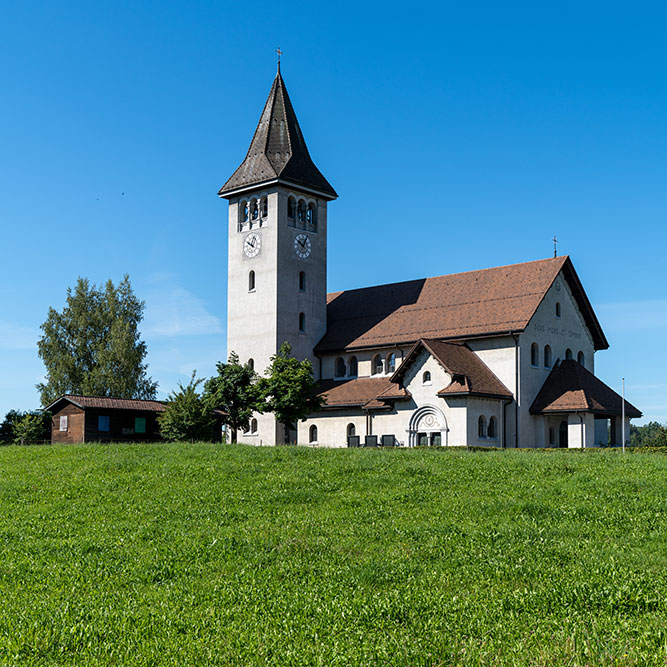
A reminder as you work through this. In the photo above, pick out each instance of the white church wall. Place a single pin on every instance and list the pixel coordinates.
(332, 427)
(364, 362)
(487, 408)
(560, 333)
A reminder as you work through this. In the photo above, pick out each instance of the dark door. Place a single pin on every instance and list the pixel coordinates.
(562, 434)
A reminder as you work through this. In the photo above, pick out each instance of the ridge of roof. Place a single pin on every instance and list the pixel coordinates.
(109, 402)
(278, 150)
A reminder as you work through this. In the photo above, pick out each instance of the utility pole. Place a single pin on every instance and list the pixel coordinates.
(623, 413)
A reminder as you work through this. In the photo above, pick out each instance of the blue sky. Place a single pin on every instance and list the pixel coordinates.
(458, 136)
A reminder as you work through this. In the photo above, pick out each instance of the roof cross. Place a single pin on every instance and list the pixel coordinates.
(555, 242)
(280, 53)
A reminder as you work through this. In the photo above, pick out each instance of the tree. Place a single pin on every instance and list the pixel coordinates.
(652, 434)
(288, 390)
(29, 429)
(234, 391)
(40, 429)
(187, 415)
(93, 345)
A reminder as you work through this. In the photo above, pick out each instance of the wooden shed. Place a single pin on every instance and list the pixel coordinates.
(101, 419)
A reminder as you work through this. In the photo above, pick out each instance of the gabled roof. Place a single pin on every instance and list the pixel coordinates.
(461, 305)
(360, 392)
(572, 388)
(470, 375)
(278, 151)
(109, 403)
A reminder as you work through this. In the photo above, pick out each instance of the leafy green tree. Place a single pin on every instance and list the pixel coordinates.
(93, 345)
(652, 434)
(234, 391)
(187, 416)
(29, 429)
(288, 390)
(8, 427)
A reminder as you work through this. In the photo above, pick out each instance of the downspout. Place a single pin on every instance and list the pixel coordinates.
(581, 419)
(517, 387)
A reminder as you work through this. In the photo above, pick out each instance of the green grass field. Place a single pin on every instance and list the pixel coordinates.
(209, 554)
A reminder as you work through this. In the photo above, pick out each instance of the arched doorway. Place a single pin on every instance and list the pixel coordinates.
(562, 434)
(428, 426)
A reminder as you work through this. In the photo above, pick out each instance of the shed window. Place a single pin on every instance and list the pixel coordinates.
(63, 423)
(481, 426)
(353, 368)
(312, 434)
(547, 356)
(491, 431)
(140, 424)
(580, 358)
(534, 355)
(103, 424)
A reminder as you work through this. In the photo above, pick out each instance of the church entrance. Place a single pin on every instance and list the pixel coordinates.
(428, 427)
(562, 434)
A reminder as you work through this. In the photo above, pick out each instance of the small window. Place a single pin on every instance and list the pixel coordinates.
(534, 355)
(254, 210)
(301, 211)
(302, 323)
(426, 377)
(302, 281)
(340, 367)
(253, 425)
(378, 366)
(265, 207)
(557, 309)
(311, 214)
(103, 424)
(481, 427)
(291, 208)
(353, 367)
(244, 209)
(391, 362)
(312, 434)
(491, 431)
(568, 353)
(580, 358)
(547, 356)
(63, 423)
(140, 424)
(251, 281)
(552, 435)
(251, 364)
(351, 430)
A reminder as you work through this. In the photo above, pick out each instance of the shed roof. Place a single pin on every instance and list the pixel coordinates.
(457, 306)
(107, 403)
(572, 388)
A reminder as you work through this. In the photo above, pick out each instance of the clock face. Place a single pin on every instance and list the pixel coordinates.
(302, 246)
(251, 245)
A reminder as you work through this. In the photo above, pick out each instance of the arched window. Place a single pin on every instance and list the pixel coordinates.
(244, 209)
(426, 377)
(302, 281)
(251, 364)
(291, 208)
(534, 355)
(254, 210)
(568, 353)
(312, 434)
(302, 322)
(301, 211)
(265, 207)
(481, 426)
(557, 309)
(378, 366)
(547, 356)
(552, 435)
(391, 362)
(251, 281)
(311, 214)
(340, 367)
(253, 425)
(353, 367)
(580, 358)
(491, 432)
(351, 430)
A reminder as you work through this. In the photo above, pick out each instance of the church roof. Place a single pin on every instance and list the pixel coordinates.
(461, 305)
(360, 392)
(470, 375)
(278, 151)
(572, 388)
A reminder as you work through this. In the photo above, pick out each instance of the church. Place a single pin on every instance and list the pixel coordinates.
(501, 357)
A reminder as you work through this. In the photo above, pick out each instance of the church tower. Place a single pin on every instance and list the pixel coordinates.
(277, 248)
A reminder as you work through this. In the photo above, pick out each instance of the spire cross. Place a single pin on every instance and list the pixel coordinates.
(555, 247)
(280, 53)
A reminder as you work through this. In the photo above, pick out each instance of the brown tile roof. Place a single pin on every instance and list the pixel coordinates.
(461, 305)
(278, 150)
(360, 392)
(470, 374)
(110, 403)
(572, 388)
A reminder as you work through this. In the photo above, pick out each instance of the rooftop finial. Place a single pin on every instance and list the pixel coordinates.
(280, 53)
(555, 242)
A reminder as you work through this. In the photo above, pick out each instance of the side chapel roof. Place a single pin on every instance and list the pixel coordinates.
(460, 305)
(278, 151)
(572, 388)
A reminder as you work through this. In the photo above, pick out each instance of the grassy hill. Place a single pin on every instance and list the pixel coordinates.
(209, 554)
